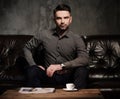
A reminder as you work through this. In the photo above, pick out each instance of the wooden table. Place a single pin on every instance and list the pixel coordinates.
(58, 94)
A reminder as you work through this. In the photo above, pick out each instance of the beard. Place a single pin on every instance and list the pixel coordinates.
(61, 30)
(63, 27)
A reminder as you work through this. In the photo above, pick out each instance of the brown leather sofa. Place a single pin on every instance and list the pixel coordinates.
(104, 66)
(11, 60)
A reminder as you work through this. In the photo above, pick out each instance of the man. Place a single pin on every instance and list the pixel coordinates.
(65, 56)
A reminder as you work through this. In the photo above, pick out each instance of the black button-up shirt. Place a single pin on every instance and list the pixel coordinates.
(68, 49)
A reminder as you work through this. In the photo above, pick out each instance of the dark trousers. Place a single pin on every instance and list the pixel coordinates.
(36, 77)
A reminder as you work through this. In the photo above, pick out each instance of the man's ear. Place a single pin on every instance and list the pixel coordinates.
(70, 19)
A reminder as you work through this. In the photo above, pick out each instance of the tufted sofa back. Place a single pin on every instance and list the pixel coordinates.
(104, 53)
(10, 49)
(10, 53)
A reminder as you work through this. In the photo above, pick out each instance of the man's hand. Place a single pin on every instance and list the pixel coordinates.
(52, 68)
(41, 67)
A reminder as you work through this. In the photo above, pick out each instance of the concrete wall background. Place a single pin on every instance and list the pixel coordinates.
(90, 17)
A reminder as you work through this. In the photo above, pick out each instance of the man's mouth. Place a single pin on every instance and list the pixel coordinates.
(62, 25)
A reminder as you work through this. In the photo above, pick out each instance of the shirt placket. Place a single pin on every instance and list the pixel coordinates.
(58, 50)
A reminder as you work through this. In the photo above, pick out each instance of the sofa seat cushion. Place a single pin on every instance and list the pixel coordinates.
(113, 83)
(12, 78)
(104, 73)
(12, 73)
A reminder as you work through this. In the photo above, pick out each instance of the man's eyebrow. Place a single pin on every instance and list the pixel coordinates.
(66, 17)
(58, 17)
(63, 17)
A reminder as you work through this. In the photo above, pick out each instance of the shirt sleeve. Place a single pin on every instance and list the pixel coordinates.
(30, 48)
(82, 58)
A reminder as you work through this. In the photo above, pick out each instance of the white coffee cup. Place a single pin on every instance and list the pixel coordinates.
(70, 86)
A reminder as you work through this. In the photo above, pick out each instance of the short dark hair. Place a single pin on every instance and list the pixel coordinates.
(63, 7)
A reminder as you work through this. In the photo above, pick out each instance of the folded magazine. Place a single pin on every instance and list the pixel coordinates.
(28, 90)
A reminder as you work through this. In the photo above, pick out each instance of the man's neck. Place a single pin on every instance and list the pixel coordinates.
(60, 32)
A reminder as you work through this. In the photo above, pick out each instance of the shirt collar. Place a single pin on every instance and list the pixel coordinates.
(66, 33)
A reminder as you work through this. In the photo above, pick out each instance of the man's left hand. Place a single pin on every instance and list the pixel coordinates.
(52, 68)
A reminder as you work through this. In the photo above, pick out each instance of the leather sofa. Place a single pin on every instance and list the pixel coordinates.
(12, 62)
(104, 66)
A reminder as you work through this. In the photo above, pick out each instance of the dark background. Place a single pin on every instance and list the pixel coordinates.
(90, 17)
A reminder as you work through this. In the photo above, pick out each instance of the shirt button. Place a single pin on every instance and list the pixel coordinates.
(58, 47)
(57, 55)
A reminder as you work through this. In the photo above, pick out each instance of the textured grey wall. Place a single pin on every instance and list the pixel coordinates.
(89, 16)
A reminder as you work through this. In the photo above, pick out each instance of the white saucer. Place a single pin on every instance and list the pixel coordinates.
(65, 89)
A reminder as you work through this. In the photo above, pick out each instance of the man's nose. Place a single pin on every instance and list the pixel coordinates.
(62, 20)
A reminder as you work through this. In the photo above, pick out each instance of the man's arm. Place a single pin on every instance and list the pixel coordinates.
(29, 49)
(29, 57)
(82, 58)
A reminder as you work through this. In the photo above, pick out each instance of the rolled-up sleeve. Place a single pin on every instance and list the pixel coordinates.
(29, 48)
(82, 58)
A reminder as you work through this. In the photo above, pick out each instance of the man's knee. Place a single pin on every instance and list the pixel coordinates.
(32, 69)
(80, 77)
(81, 71)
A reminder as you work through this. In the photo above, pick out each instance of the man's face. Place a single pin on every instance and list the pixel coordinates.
(63, 19)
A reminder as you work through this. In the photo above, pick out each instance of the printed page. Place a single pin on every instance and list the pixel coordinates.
(28, 90)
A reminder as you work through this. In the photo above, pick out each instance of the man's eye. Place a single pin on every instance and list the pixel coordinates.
(58, 18)
(66, 17)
